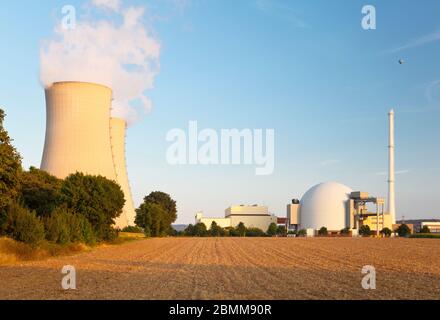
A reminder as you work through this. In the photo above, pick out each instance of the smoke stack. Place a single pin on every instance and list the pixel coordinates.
(117, 134)
(391, 177)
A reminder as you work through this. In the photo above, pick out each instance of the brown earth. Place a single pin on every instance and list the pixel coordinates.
(236, 268)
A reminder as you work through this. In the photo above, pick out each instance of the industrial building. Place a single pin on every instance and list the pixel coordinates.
(252, 216)
(82, 137)
(336, 207)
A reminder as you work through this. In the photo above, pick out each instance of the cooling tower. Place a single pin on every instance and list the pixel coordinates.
(78, 136)
(117, 135)
(78, 130)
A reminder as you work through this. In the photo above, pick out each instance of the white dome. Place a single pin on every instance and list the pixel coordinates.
(325, 205)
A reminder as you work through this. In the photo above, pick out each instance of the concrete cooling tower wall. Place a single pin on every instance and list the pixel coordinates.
(117, 134)
(78, 137)
(77, 130)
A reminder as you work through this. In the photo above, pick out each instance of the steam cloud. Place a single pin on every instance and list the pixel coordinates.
(123, 56)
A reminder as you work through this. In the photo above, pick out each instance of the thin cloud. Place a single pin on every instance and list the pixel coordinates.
(426, 39)
(398, 172)
(329, 162)
(281, 10)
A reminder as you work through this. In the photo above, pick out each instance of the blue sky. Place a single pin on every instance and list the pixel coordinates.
(304, 68)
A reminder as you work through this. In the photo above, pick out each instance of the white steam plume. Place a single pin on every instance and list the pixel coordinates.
(123, 56)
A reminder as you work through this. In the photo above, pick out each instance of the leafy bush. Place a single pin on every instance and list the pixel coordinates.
(132, 229)
(216, 230)
(272, 230)
(323, 231)
(40, 191)
(98, 199)
(255, 232)
(386, 232)
(365, 231)
(232, 232)
(345, 231)
(302, 233)
(425, 229)
(64, 227)
(281, 231)
(241, 229)
(425, 235)
(24, 226)
(200, 230)
(403, 230)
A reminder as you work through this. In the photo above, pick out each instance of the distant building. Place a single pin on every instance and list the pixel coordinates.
(434, 227)
(252, 216)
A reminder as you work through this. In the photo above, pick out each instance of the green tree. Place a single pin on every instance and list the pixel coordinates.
(302, 233)
(272, 230)
(23, 225)
(189, 231)
(216, 230)
(169, 206)
(386, 232)
(241, 230)
(323, 231)
(425, 229)
(403, 230)
(149, 216)
(200, 230)
(282, 231)
(10, 168)
(98, 199)
(40, 191)
(365, 231)
(255, 232)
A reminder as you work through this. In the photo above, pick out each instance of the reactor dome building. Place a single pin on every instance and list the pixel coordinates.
(81, 136)
(325, 205)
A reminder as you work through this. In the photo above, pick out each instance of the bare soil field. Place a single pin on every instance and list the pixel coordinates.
(236, 268)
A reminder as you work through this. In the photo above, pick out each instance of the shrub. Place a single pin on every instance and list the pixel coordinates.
(272, 230)
(345, 231)
(255, 232)
(365, 231)
(281, 231)
(132, 229)
(231, 232)
(425, 235)
(425, 229)
(189, 231)
(64, 227)
(24, 226)
(386, 232)
(98, 199)
(302, 233)
(40, 191)
(403, 230)
(200, 230)
(241, 229)
(216, 230)
(323, 231)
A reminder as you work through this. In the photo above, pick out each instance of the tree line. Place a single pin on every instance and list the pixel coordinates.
(36, 206)
(201, 230)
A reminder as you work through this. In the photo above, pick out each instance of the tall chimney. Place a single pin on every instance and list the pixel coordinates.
(391, 178)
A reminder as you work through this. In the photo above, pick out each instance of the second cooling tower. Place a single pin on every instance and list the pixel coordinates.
(79, 137)
(117, 134)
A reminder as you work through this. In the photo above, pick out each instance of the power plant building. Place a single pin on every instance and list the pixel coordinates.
(82, 137)
(252, 217)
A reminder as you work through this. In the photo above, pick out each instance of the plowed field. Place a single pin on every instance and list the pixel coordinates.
(235, 268)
